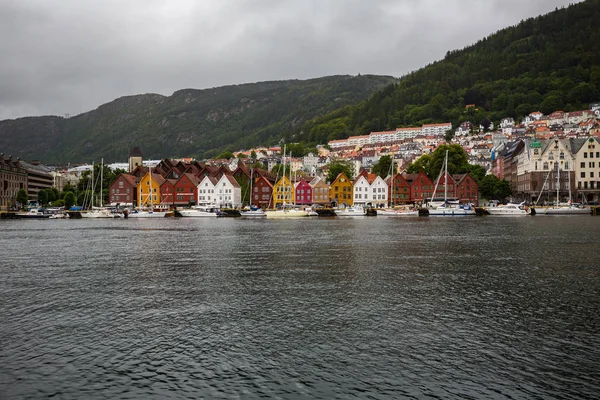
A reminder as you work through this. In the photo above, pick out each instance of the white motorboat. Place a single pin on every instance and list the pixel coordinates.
(253, 212)
(451, 211)
(354, 211)
(198, 212)
(512, 209)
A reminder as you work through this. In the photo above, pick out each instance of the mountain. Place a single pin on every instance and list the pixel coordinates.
(547, 63)
(196, 123)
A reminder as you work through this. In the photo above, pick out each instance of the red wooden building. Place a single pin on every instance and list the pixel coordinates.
(467, 190)
(398, 190)
(262, 191)
(303, 193)
(421, 187)
(123, 191)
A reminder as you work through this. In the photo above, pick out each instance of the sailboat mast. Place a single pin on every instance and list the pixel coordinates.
(101, 178)
(291, 186)
(446, 179)
(557, 182)
(251, 179)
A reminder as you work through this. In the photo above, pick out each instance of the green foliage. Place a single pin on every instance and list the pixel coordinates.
(449, 135)
(296, 149)
(477, 172)
(280, 170)
(432, 164)
(491, 187)
(502, 190)
(338, 166)
(253, 155)
(43, 197)
(198, 123)
(242, 155)
(52, 194)
(226, 154)
(383, 167)
(69, 188)
(547, 63)
(58, 203)
(69, 200)
(22, 198)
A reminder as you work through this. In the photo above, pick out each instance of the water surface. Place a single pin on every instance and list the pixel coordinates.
(381, 308)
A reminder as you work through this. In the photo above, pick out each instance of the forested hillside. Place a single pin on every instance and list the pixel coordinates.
(547, 63)
(189, 123)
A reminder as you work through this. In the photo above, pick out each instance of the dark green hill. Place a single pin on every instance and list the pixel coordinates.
(198, 123)
(547, 63)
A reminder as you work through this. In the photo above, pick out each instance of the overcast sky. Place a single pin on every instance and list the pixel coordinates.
(70, 56)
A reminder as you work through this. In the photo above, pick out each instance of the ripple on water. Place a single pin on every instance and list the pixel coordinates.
(371, 308)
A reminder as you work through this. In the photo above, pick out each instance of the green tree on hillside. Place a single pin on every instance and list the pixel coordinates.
(432, 164)
(383, 167)
(336, 167)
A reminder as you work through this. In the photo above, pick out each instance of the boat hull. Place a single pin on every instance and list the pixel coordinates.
(397, 213)
(149, 214)
(286, 214)
(564, 211)
(451, 212)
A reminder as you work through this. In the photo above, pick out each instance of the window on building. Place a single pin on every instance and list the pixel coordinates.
(545, 165)
(591, 174)
(585, 155)
(582, 174)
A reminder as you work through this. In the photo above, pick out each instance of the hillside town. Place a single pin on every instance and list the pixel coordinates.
(556, 154)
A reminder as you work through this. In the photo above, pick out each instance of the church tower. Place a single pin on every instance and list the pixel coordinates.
(135, 159)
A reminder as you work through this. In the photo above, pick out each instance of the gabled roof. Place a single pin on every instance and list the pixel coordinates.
(158, 178)
(210, 178)
(129, 179)
(192, 178)
(231, 179)
(169, 182)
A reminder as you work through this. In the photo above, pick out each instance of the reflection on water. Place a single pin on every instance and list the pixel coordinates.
(315, 308)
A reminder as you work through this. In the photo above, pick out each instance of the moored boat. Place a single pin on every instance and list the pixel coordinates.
(398, 212)
(287, 213)
(198, 212)
(253, 212)
(510, 209)
(354, 211)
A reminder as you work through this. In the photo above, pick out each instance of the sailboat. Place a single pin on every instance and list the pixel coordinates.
(99, 212)
(288, 210)
(565, 209)
(446, 208)
(254, 211)
(396, 211)
(148, 213)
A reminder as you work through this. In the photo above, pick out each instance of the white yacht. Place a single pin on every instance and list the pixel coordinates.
(512, 209)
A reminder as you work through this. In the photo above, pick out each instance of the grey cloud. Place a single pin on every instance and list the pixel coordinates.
(71, 56)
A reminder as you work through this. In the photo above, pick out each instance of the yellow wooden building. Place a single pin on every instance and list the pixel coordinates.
(341, 190)
(149, 190)
(283, 192)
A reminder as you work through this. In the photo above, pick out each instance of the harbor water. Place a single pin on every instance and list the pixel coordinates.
(365, 308)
